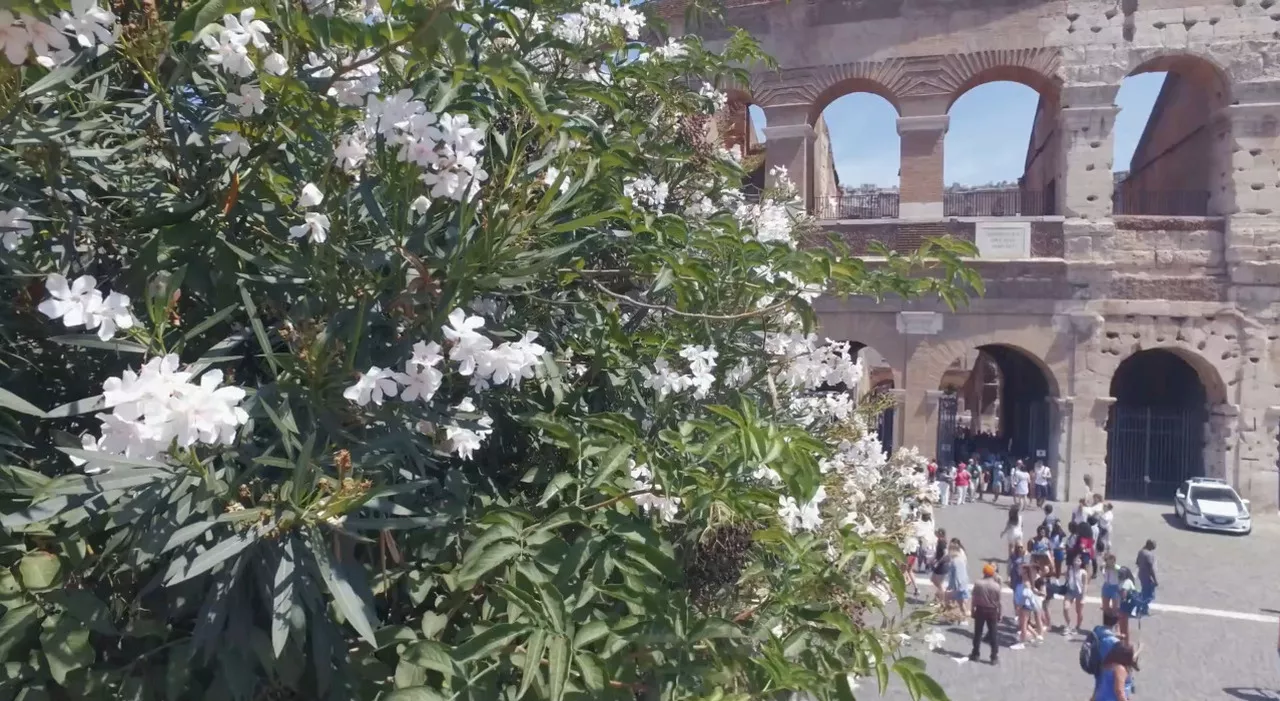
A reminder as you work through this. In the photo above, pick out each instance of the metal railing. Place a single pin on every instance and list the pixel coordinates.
(1174, 203)
(999, 203)
(858, 205)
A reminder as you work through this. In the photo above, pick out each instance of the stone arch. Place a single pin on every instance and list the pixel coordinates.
(1034, 68)
(893, 375)
(939, 357)
(847, 86)
(1202, 70)
(1166, 423)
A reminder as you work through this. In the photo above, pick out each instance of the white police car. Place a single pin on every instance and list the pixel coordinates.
(1212, 504)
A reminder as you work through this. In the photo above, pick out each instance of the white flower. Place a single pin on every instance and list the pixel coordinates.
(802, 517)
(551, 175)
(421, 204)
(933, 639)
(233, 145)
(249, 101)
(227, 50)
(275, 64)
(512, 362)
(88, 23)
(70, 302)
(653, 501)
(311, 196)
(207, 413)
(375, 385)
(646, 192)
(255, 29)
(468, 344)
(90, 443)
(351, 151)
(15, 38)
(314, 226)
(49, 43)
(465, 441)
(109, 315)
(14, 226)
(673, 49)
(421, 379)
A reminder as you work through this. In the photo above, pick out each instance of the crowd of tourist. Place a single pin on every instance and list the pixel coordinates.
(1063, 561)
(974, 480)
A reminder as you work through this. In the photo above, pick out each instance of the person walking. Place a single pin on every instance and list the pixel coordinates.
(1147, 579)
(1110, 583)
(963, 479)
(1021, 486)
(1115, 682)
(1105, 521)
(945, 475)
(997, 481)
(1073, 597)
(1043, 477)
(1013, 528)
(941, 568)
(1058, 541)
(958, 580)
(986, 613)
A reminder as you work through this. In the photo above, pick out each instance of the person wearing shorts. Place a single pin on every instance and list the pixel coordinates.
(1110, 583)
(1073, 596)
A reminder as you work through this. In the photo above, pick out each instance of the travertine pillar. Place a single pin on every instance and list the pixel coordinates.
(1245, 149)
(1088, 445)
(1087, 143)
(788, 142)
(1060, 446)
(920, 421)
(921, 170)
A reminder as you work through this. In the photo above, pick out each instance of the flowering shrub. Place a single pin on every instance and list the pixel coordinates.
(412, 350)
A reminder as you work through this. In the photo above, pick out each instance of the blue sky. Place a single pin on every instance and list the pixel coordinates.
(987, 139)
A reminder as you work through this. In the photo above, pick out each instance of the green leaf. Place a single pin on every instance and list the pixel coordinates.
(714, 628)
(39, 571)
(591, 669)
(590, 633)
(79, 406)
(487, 642)
(195, 17)
(493, 556)
(66, 646)
(258, 330)
(91, 341)
(216, 318)
(9, 400)
(417, 693)
(430, 654)
(181, 570)
(433, 623)
(86, 608)
(558, 483)
(15, 625)
(558, 655)
(349, 587)
(532, 660)
(282, 598)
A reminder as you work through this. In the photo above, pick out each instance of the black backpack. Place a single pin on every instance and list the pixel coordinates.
(1091, 654)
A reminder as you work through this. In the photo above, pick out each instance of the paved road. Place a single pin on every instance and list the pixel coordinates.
(1212, 636)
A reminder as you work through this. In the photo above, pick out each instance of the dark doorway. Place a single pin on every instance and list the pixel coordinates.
(1155, 431)
(948, 431)
(1020, 396)
(884, 427)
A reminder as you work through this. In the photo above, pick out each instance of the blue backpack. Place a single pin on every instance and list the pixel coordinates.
(1094, 649)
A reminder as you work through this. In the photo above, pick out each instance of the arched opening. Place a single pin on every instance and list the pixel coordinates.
(856, 154)
(995, 404)
(878, 380)
(999, 154)
(1156, 428)
(741, 127)
(1168, 160)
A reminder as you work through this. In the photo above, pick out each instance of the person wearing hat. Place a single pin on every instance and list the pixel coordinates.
(986, 612)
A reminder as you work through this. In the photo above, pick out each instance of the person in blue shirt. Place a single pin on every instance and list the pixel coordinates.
(997, 481)
(1119, 661)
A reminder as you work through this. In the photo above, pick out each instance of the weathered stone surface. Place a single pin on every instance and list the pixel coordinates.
(1205, 287)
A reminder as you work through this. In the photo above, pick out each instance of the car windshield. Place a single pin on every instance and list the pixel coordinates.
(1214, 494)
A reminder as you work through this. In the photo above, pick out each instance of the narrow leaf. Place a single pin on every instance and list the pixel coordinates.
(349, 588)
(222, 551)
(9, 400)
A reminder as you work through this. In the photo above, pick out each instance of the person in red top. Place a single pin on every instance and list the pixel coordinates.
(962, 482)
(933, 470)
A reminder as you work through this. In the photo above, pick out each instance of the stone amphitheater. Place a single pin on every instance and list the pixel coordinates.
(1129, 328)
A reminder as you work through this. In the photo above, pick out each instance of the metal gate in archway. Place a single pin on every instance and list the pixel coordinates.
(1027, 424)
(948, 418)
(885, 428)
(1152, 450)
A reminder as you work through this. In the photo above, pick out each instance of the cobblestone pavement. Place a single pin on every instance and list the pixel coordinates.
(1212, 634)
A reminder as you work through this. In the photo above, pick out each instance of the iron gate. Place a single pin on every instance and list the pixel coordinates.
(1027, 423)
(885, 429)
(1152, 450)
(948, 416)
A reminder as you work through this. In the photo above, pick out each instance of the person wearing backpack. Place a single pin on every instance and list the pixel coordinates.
(1114, 681)
(1098, 643)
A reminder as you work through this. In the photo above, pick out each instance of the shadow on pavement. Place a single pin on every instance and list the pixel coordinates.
(1173, 520)
(1251, 694)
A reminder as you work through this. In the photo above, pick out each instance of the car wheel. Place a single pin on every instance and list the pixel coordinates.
(1186, 522)
(1177, 510)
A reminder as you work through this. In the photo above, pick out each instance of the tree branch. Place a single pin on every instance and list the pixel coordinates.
(690, 315)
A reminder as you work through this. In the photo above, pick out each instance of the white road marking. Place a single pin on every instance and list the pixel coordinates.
(1175, 608)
